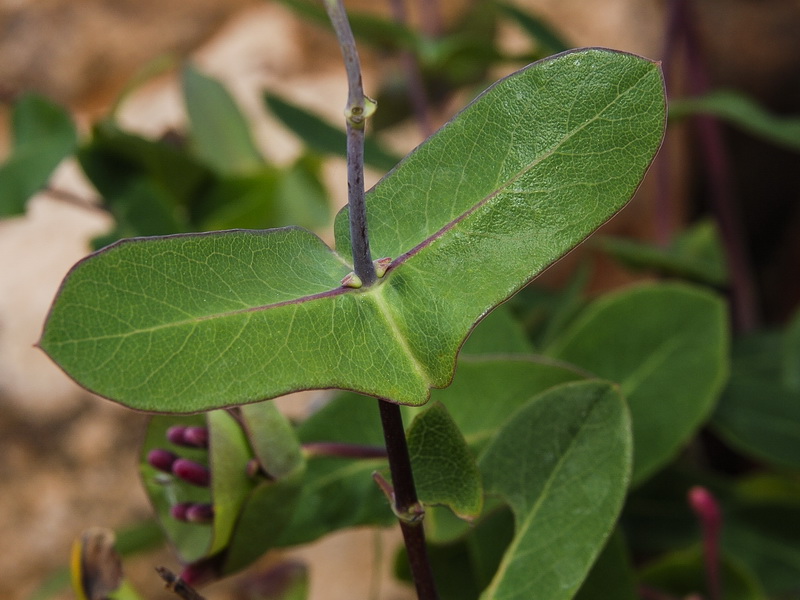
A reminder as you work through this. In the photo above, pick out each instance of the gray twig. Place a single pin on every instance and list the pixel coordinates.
(178, 585)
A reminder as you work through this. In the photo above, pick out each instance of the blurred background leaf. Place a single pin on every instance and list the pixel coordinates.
(43, 134)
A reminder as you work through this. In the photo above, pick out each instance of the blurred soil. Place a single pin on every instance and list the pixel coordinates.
(68, 459)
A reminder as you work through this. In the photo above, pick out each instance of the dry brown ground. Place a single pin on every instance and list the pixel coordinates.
(68, 459)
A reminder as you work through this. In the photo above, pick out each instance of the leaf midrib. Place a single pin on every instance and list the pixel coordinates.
(402, 341)
(337, 291)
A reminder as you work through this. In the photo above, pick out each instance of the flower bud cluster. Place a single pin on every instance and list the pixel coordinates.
(185, 469)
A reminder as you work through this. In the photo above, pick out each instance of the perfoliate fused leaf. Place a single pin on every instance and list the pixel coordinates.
(512, 183)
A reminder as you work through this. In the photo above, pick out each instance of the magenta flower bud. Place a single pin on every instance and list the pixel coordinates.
(175, 434)
(179, 511)
(706, 508)
(196, 437)
(200, 513)
(190, 437)
(161, 459)
(191, 472)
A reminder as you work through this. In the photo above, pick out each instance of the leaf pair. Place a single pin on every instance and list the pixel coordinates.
(518, 178)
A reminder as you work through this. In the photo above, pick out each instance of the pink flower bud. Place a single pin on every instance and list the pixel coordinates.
(175, 434)
(161, 459)
(196, 437)
(200, 513)
(178, 511)
(188, 436)
(708, 512)
(191, 472)
(706, 508)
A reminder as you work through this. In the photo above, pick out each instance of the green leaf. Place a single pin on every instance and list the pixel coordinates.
(265, 515)
(114, 157)
(563, 463)
(322, 137)
(43, 135)
(125, 592)
(445, 472)
(791, 355)
(545, 312)
(667, 346)
(743, 112)
(696, 255)
(544, 35)
(229, 453)
(220, 134)
(241, 201)
(765, 536)
(611, 576)
(683, 573)
(511, 184)
(769, 487)
(760, 417)
(140, 208)
(302, 197)
(267, 197)
(344, 419)
(339, 492)
(760, 410)
(498, 333)
(149, 186)
(515, 163)
(164, 303)
(488, 389)
(273, 439)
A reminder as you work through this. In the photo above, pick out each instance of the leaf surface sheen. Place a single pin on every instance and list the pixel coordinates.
(522, 175)
(562, 462)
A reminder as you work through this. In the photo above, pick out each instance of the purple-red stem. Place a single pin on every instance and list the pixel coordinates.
(405, 500)
(708, 513)
(343, 450)
(663, 169)
(723, 198)
(648, 593)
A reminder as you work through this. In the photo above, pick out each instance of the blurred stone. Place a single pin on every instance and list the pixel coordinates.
(80, 54)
